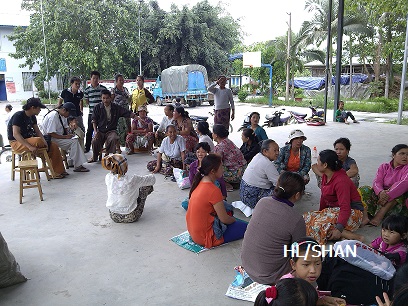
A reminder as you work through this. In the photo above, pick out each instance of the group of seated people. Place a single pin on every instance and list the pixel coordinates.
(273, 181)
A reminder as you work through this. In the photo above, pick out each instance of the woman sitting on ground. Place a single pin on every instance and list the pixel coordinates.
(295, 156)
(184, 127)
(258, 130)
(250, 146)
(171, 153)
(204, 134)
(206, 207)
(341, 209)
(202, 149)
(126, 193)
(342, 148)
(261, 175)
(232, 159)
(389, 194)
(142, 132)
(274, 224)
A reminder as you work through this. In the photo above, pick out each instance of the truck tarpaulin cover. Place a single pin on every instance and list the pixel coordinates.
(178, 79)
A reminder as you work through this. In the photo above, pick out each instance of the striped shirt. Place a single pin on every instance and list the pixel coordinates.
(93, 96)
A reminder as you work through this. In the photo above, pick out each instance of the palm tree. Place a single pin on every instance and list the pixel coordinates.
(315, 31)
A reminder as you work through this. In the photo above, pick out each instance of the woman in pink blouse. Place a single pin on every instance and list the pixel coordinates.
(232, 159)
(389, 194)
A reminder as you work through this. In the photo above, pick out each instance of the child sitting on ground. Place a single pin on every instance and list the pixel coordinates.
(342, 115)
(306, 263)
(291, 291)
(393, 239)
(126, 193)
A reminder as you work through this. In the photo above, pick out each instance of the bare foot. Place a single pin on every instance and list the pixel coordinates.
(365, 222)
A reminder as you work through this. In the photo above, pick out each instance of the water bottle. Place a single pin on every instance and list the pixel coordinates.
(314, 155)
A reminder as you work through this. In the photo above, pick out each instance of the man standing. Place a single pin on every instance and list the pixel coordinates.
(223, 102)
(75, 95)
(55, 124)
(24, 135)
(92, 95)
(105, 120)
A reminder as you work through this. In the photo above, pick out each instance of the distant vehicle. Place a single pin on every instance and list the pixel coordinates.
(188, 83)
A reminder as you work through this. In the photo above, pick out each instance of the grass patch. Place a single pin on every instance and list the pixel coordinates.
(404, 121)
(376, 105)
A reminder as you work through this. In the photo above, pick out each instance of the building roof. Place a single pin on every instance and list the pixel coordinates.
(355, 62)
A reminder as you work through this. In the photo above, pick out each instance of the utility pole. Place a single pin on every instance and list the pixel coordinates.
(288, 57)
(140, 46)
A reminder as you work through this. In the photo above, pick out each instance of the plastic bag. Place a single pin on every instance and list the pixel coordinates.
(365, 257)
(182, 181)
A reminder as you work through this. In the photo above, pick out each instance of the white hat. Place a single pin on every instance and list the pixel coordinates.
(296, 134)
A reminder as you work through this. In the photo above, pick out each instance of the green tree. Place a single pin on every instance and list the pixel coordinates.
(85, 35)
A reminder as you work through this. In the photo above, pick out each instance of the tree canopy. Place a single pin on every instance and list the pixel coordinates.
(103, 35)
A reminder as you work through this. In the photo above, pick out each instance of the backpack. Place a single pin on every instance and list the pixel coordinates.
(355, 285)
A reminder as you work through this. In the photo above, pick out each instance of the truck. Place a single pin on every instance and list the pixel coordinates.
(186, 84)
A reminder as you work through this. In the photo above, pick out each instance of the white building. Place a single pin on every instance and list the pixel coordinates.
(16, 83)
(235, 80)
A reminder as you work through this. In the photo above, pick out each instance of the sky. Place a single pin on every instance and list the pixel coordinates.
(261, 20)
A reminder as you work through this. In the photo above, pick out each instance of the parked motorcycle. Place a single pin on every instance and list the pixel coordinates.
(296, 117)
(278, 118)
(246, 122)
(317, 117)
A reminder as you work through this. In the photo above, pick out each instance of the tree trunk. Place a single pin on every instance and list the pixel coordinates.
(377, 59)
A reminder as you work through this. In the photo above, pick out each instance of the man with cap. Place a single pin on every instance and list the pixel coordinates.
(24, 135)
(55, 124)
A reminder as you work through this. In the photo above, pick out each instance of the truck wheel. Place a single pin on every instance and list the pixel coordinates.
(159, 101)
(191, 103)
(211, 103)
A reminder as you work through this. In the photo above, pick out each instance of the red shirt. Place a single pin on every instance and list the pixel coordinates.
(340, 191)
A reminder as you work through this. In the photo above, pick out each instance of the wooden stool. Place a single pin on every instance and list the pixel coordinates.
(64, 158)
(22, 156)
(46, 163)
(28, 175)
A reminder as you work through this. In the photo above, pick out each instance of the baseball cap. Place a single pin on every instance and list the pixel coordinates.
(34, 102)
(69, 106)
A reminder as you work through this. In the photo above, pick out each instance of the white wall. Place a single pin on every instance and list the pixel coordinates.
(14, 72)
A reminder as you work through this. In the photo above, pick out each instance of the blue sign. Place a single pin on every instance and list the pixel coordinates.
(3, 64)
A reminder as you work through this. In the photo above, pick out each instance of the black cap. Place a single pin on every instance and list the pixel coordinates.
(70, 107)
(34, 102)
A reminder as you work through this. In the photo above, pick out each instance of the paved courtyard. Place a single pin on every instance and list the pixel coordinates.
(74, 254)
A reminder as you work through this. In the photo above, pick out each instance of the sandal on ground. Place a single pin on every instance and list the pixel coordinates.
(81, 169)
(59, 176)
(65, 173)
(91, 160)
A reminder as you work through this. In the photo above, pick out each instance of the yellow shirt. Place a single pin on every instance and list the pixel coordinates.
(138, 99)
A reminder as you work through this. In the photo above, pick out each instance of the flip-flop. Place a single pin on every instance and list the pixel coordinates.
(91, 160)
(59, 176)
(65, 173)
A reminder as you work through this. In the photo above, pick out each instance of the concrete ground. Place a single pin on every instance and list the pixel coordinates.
(74, 254)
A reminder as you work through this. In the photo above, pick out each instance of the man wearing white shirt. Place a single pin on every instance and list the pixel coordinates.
(55, 124)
